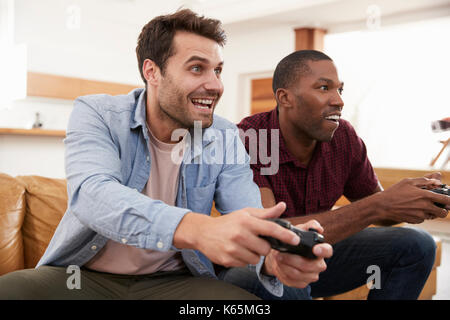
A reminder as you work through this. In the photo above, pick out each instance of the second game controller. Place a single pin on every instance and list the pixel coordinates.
(443, 190)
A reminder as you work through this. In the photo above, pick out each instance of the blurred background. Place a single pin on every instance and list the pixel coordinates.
(393, 56)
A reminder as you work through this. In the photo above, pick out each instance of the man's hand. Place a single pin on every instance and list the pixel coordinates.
(410, 201)
(233, 240)
(297, 271)
(434, 175)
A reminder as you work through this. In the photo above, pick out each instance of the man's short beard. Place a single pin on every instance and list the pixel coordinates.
(183, 124)
(310, 130)
(178, 122)
(170, 106)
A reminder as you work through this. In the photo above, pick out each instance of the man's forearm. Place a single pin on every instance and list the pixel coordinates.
(343, 222)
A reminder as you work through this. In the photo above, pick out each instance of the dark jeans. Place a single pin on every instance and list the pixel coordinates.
(49, 283)
(403, 256)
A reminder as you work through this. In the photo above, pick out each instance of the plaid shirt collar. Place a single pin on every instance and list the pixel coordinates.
(285, 155)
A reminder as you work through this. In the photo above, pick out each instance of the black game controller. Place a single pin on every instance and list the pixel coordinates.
(443, 190)
(308, 239)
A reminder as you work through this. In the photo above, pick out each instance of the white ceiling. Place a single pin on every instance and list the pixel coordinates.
(108, 29)
(328, 14)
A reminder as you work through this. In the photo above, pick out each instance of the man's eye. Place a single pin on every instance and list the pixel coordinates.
(196, 68)
(324, 88)
(218, 70)
(341, 91)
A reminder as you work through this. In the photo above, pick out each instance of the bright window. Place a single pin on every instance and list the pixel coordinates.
(396, 83)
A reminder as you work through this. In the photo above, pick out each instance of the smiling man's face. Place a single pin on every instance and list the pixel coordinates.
(191, 85)
(318, 102)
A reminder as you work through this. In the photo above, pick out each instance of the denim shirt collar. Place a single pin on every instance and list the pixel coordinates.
(140, 111)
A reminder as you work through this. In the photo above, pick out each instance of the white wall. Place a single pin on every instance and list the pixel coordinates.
(23, 155)
(248, 54)
(101, 48)
(26, 155)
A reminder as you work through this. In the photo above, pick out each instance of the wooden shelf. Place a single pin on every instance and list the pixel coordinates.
(60, 87)
(69, 88)
(33, 132)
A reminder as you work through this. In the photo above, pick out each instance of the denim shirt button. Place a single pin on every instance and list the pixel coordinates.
(94, 247)
(160, 245)
(124, 240)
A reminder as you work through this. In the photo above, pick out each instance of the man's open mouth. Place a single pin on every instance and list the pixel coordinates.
(203, 103)
(334, 117)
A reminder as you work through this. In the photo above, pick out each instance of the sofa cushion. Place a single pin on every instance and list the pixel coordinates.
(12, 210)
(46, 203)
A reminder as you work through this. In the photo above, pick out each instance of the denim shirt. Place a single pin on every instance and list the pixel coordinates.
(108, 163)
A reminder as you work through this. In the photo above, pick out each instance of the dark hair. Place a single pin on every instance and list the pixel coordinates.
(291, 67)
(156, 38)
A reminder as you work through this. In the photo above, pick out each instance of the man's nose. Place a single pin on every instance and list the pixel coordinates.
(213, 83)
(337, 100)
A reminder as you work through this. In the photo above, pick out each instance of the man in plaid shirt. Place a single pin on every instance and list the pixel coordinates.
(320, 158)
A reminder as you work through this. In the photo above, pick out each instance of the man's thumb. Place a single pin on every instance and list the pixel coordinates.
(273, 212)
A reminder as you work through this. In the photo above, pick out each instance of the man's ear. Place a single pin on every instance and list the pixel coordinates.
(284, 97)
(151, 72)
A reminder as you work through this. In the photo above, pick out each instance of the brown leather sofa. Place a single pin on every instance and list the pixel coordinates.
(32, 206)
(30, 210)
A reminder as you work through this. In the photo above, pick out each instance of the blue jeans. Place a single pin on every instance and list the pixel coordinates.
(403, 256)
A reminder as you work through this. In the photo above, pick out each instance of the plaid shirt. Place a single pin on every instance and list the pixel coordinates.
(339, 167)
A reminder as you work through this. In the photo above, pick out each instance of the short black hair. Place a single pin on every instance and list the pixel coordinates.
(291, 67)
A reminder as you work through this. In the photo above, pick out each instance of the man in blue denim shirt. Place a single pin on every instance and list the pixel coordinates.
(110, 217)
